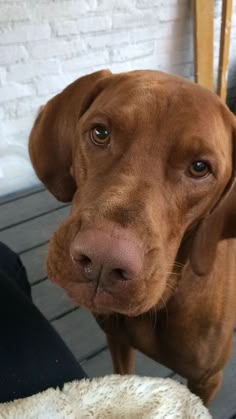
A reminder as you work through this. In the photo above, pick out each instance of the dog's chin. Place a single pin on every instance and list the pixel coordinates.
(101, 301)
(129, 298)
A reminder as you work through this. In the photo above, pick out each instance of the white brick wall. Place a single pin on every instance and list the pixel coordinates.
(46, 44)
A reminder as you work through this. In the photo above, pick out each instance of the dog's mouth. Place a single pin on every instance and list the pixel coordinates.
(122, 296)
(130, 298)
(96, 299)
(103, 302)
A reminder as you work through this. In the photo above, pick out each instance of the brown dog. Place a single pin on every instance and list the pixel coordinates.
(149, 162)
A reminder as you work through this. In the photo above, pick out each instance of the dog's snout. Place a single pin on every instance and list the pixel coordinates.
(107, 256)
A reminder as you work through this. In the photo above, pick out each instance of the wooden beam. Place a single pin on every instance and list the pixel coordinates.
(204, 42)
(227, 6)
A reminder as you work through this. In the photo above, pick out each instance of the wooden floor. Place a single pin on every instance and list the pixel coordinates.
(27, 221)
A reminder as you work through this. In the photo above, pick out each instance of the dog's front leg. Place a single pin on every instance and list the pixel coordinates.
(207, 390)
(123, 355)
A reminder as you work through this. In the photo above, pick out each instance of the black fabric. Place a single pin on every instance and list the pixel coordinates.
(32, 355)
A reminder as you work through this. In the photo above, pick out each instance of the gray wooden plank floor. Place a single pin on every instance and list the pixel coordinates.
(27, 221)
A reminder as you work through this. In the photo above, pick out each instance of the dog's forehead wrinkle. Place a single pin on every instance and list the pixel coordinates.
(132, 94)
(147, 87)
(166, 113)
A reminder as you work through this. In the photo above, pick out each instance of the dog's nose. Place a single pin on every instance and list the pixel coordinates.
(104, 257)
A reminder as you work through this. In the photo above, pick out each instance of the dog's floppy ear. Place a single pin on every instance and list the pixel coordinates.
(52, 136)
(220, 224)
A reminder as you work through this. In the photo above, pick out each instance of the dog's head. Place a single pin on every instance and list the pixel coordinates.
(148, 161)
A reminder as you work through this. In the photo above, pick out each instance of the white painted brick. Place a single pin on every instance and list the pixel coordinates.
(174, 44)
(32, 70)
(63, 28)
(146, 33)
(17, 126)
(144, 63)
(144, 4)
(132, 51)
(76, 47)
(217, 8)
(44, 49)
(97, 67)
(160, 62)
(71, 76)
(161, 32)
(174, 12)
(86, 61)
(12, 53)
(176, 29)
(135, 19)
(120, 67)
(101, 40)
(14, 90)
(24, 106)
(3, 75)
(2, 113)
(94, 24)
(233, 30)
(104, 5)
(56, 48)
(50, 85)
(13, 12)
(66, 9)
(25, 32)
(168, 61)
(10, 108)
(217, 24)
(81, 71)
(92, 4)
(17, 173)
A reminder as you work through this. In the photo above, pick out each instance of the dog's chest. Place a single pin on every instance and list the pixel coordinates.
(178, 348)
(150, 334)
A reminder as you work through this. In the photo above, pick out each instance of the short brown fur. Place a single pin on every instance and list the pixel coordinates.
(181, 310)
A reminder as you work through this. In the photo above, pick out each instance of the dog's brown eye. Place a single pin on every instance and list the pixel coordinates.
(100, 135)
(199, 169)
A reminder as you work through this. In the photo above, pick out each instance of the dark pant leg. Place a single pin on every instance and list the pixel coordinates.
(11, 266)
(32, 355)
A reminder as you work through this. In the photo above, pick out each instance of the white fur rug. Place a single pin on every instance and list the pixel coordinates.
(111, 397)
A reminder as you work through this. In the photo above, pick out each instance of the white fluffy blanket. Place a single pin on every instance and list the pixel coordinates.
(111, 397)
